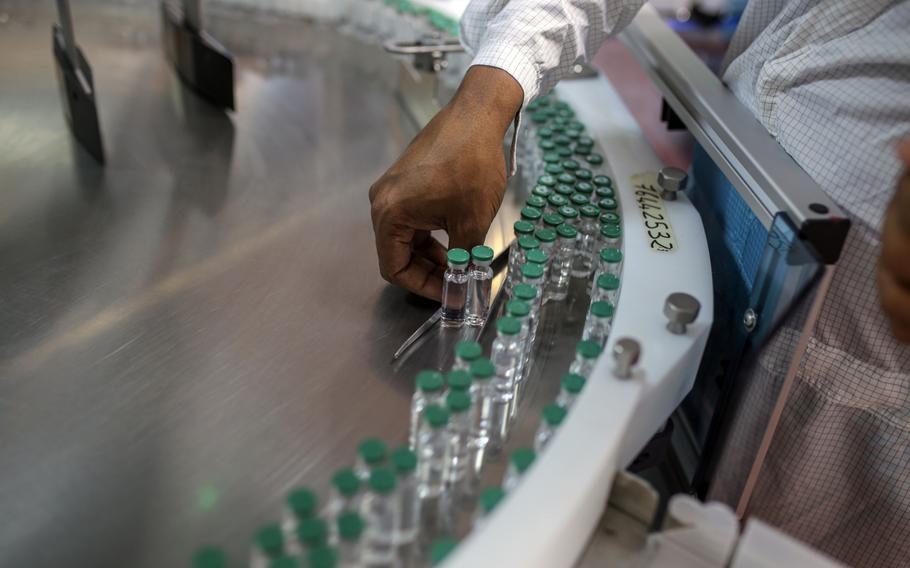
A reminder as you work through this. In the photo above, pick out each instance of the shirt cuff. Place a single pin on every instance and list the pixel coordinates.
(519, 65)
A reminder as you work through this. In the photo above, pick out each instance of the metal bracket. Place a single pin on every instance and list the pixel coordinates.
(429, 53)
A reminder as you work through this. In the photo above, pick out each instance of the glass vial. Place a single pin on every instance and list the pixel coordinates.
(506, 355)
(520, 461)
(521, 228)
(458, 404)
(312, 533)
(570, 387)
(606, 289)
(349, 527)
(489, 499)
(561, 270)
(553, 415)
(586, 354)
(371, 453)
(381, 513)
(482, 372)
(598, 323)
(301, 503)
(466, 352)
(268, 544)
(434, 452)
(480, 284)
(429, 391)
(455, 288)
(522, 312)
(404, 462)
(588, 226)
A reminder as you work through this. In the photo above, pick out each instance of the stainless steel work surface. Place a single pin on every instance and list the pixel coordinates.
(195, 328)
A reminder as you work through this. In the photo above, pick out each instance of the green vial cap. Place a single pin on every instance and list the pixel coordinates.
(572, 383)
(440, 549)
(566, 178)
(482, 253)
(459, 380)
(517, 308)
(530, 214)
(532, 270)
(602, 309)
(564, 189)
(557, 201)
(527, 243)
(567, 231)
(458, 257)
(582, 150)
(564, 152)
(346, 482)
(312, 532)
(575, 125)
(546, 145)
(537, 201)
(584, 187)
(372, 451)
(610, 231)
(482, 369)
(588, 349)
(524, 292)
(551, 158)
(553, 169)
(571, 132)
(609, 218)
(550, 112)
(553, 414)
(436, 416)
(603, 181)
(382, 481)
(594, 159)
(546, 235)
(561, 104)
(566, 113)
(468, 350)
(522, 458)
(589, 211)
(541, 191)
(570, 165)
(210, 557)
(523, 228)
(611, 255)
(539, 117)
(583, 174)
(608, 282)
(553, 220)
(350, 525)
(546, 180)
(544, 132)
(579, 200)
(323, 557)
(536, 256)
(605, 192)
(585, 141)
(607, 204)
(456, 402)
(285, 562)
(489, 498)
(270, 540)
(557, 129)
(429, 381)
(404, 460)
(562, 140)
(302, 502)
(507, 325)
(568, 212)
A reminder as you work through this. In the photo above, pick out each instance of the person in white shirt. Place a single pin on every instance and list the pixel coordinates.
(830, 80)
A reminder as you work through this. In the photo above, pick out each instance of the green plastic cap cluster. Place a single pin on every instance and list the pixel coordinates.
(522, 458)
(404, 460)
(608, 282)
(602, 309)
(517, 308)
(490, 497)
(523, 228)
(482, 254)
(372, 451)
(350, 525)
(210, 557)
(554, 414)
(468, 350)
(270, 540)
(567, 231)
(458, 257)
(440, 549)
(436, 416)
(611, 255)
(532, 271)
(429, 381)
(346, 482)
(546, 235)
(527, 242)
(312, 532)
(323, 557)
(459, 380)
(524, 292)
(483, 368)
(302, 502)
(382, 481)
(508, 325)
(537, 256)
(457, 402)
(572, 383)
(588, 349)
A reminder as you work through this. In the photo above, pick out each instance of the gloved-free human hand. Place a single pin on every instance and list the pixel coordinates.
(451, 177)
(894, 264)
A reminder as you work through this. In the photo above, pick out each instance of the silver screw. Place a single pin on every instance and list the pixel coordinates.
(750, 319)
(681, 309)
(671, 180)
(626, 352)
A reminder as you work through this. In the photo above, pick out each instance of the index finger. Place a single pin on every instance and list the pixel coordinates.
(400, 263)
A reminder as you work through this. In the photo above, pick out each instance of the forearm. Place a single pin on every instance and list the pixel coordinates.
(489, 96)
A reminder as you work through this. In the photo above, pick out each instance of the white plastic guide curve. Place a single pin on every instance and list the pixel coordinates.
(548, 519)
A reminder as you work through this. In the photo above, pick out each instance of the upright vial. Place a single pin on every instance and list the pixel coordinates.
(598, 324)
(482, 373)
(570, 387)
(268, 544)
(429, 390)
(312, 533)
(381, 513)
(570, 214)
(460, 427)
(552, 221)
(301, 503)
(521, 229)
(588, 226)
(520, 461)
(480, 284)
(610, 236)
(466, 352)
(345, 492)
(586, 354)
(561, 269)
(606, 289)
(440, 549)
(531, 214)
(404, 462)
(522, 312)
(210, 557)
(458, 380)
(506, 355)
(547, 238)
(610, 261)
(433, 459)
(455, 288)
(526, 244)
(349, 527)
(371, 453)
(321, 557)
(489, 499)
(553, 415)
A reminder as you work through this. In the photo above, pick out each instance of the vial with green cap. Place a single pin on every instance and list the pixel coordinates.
(537, 201)
(554, 202)
(345, 494)
(381, 514)
(525, 245)
(569, 388)
(588, 227)
(486, 503)
(466, 352)
(404, 463)
(482, 373)
(461, 423)
(433, 456)
(455, 288)
(531, 214)
(551, 419)
(440, 550)
(541, 191)
(522, 229)
(606, 288)
(610, 236)
(505, 354)
(610, 261)
(540, 258)
(312, 533)
(547, 238)
(561, 267)
(371, 453)
(349, 526)
(586, 354)
(521, 310)
(599, 322)
(268, 544)
(301, 503)
(519, 462)
(285, 562)
(429, 390)
(480, 284)
(552, 220)
(210, 557)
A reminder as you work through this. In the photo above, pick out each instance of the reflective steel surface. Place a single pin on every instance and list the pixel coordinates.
(194, 329)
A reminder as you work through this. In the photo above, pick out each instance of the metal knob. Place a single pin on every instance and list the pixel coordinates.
(670, 181)
(681, 309)
(626, 352)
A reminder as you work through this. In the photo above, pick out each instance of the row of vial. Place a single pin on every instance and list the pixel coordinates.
(466, 291)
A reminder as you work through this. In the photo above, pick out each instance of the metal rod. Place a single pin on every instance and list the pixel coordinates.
(69, 37)
(192, 14)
